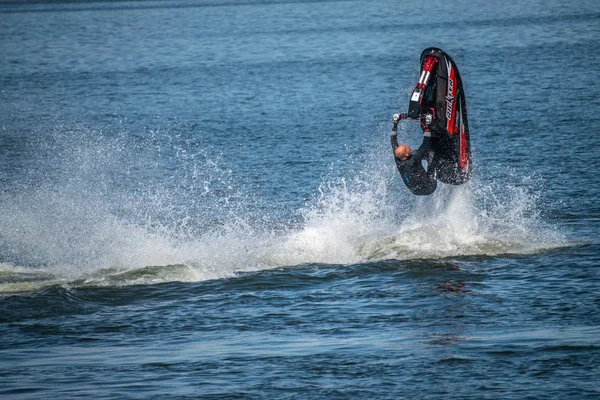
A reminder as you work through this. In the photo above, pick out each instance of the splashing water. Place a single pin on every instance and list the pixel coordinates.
(352, 226)
(75, 224)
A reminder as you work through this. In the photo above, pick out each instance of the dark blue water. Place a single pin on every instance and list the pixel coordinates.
(198, 200)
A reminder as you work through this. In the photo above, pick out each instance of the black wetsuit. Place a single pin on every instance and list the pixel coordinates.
(415, 177)
(445, 163)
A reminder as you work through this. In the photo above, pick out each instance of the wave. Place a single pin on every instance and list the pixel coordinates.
(350, 226)
(74, 226)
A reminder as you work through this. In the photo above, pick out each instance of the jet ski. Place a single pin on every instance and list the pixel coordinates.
(438, 104)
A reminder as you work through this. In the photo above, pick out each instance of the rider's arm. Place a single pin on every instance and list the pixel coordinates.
(394, 132)
(394, 138)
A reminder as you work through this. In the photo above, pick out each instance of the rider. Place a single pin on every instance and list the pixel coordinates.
(410, 166)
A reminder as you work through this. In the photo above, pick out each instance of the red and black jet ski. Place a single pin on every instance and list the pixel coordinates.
(438, 103)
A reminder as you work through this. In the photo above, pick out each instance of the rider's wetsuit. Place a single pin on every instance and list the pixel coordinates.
(415, 177)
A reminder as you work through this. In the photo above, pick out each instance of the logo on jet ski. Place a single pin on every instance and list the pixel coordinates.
(450, 97)
(449, 106)
(450, 91)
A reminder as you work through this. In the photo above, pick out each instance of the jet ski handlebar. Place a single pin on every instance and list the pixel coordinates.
(400, 117)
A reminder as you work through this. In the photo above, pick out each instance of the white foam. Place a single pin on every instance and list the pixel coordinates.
(351, 226)
(69, 228)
